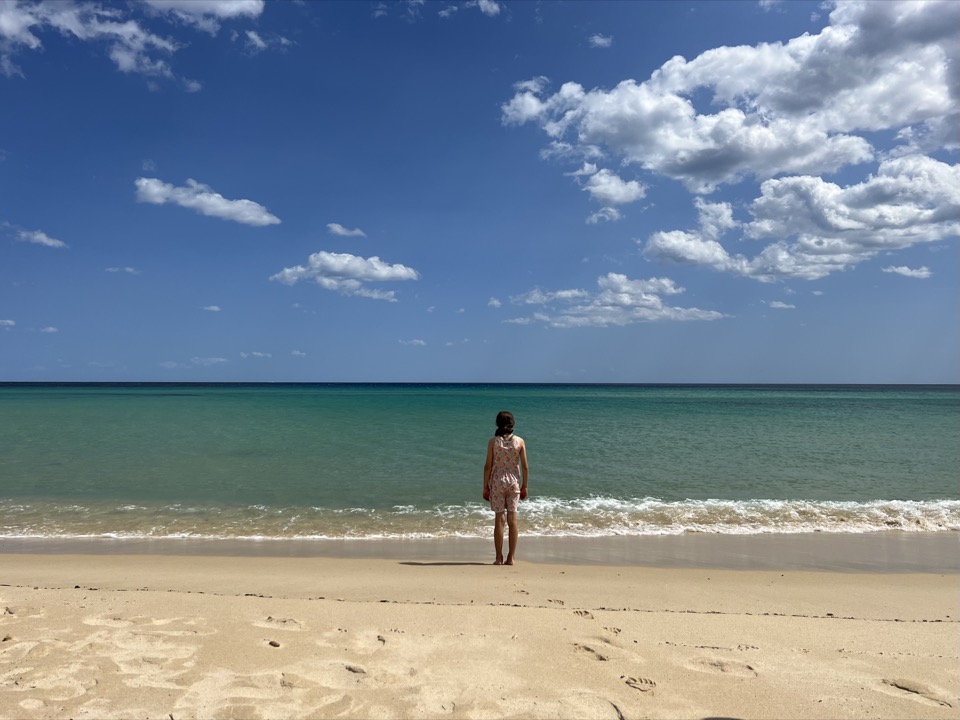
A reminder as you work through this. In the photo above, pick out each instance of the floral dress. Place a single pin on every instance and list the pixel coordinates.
(505, 474)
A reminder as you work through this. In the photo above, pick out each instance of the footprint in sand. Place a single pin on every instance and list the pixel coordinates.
(586, 649)
(557, 602)
(641, 684)
(917, 691)
(280, 623)
(585, 614)
(722, 666)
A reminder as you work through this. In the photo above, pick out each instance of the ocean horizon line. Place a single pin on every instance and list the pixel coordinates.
(457, 383)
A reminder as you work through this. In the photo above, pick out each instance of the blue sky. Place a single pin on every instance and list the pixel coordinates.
(479, 191)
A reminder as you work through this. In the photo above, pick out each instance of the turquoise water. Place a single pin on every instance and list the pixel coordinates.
(406, 460)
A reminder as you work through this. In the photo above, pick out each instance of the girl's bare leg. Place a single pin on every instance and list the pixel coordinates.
(514, 534)
(498, 537)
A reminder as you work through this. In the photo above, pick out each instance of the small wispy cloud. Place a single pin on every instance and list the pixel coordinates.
(298, 353)
(338, 229)
(212, 308)
(921, 273)
(600, 41)
(256, 355)
(777, 305)
(38, 237)
(605, 214)
(208, 361)
(494, 302)
(49, 330)
(7, 324)
(128, 270)
(416, 342)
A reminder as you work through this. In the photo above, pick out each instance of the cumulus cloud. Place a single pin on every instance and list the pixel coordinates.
(618, 300)
(600, 41)
(818, 227)
(347, 274)
(38, 237)
(338, 229)
(494, 302)
(796, 107)
(921, 273)
(204, 200)
(610, 189)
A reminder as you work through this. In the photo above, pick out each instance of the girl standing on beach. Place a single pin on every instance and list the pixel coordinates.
(502, 486)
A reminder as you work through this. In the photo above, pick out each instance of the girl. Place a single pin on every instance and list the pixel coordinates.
(502, 486)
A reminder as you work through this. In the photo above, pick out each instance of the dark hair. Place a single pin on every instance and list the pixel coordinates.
(504, 423)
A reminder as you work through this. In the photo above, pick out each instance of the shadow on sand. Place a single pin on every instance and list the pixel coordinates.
(424, 564)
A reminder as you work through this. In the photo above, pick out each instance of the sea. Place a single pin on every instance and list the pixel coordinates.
(262, 462)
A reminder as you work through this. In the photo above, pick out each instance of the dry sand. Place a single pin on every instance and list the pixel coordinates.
(160, 636)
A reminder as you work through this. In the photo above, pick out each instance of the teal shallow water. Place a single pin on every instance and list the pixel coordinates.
(406, 460)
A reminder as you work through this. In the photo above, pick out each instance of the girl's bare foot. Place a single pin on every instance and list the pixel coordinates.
(499, 560)
(509, 561)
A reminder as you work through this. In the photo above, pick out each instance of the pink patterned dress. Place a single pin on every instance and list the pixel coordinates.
(505, 474)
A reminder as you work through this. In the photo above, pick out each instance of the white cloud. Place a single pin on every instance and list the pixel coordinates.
(600, 41)
(131, 47)
(204, 200)
(609, 189)
(170, 364)
(921, 273)
(255, 42)
(490, 8)
(298, 353)
(208, 361)
(49, 330)
(777, 305)
(128, 270)
(338, 229)
(37, 237)
(207, 14)
(539, 297)
(494, 302)
(347, 274)
(416, 342)
(606, 214)
(7, 324)
(448, 12)
(618, 301)
(212, 308)
(818, 227)
(256, 355)
(797, 107)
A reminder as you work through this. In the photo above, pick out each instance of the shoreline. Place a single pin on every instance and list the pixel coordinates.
(885, 552)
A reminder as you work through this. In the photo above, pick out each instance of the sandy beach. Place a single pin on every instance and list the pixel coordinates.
(141, 635)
